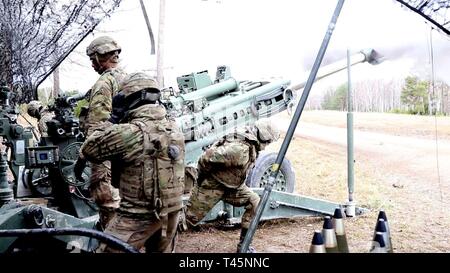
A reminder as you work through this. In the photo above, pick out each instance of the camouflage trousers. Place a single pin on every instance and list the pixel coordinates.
(104, 194)
(143, 232)
(206, 196)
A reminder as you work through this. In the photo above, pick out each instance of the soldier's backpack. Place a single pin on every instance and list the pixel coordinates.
(164, 151)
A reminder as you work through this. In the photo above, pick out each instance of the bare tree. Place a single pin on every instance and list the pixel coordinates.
(36, 36)
(434, 11)
(377, 95)
(56, 85)
(442, 97)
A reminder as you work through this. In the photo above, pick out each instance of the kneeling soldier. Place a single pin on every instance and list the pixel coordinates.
(222, 170)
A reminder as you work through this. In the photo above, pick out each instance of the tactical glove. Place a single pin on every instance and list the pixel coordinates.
(79, 168)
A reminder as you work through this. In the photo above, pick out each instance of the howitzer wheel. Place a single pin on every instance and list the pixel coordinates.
(259, 175)
(67, 158)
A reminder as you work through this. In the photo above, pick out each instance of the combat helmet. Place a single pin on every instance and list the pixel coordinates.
(33, 108)
(139, 88)
(102, 45)
(138, 81)
(267, 133)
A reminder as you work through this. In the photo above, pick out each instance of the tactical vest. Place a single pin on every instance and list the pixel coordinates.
(162, 165)
(231, 177)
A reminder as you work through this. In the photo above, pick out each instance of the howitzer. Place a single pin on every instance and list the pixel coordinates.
(214, 110)
(65, 124)
(207, 110)
(15, 137)
(29, 161)
(50, 164)
(63, 130)
(43, 174)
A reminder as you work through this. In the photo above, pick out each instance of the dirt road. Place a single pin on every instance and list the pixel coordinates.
(421, 159)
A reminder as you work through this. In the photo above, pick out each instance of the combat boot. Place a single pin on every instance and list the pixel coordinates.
(241, 240)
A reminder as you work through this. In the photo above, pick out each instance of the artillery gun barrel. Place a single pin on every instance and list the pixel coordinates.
(73, 99)
(210, 91)
(367, 55)
(222, 114)
(223, 105)
(216, 110)
(77, 97)
(229, 104)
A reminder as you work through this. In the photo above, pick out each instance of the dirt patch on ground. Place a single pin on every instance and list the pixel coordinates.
(394, 124)
(400, 172)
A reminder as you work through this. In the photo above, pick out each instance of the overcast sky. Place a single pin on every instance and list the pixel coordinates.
(261, 39)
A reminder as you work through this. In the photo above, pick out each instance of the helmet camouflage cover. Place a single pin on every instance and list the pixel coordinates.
(34, 107)
(102, 45)
(137, 81)
(266, 131)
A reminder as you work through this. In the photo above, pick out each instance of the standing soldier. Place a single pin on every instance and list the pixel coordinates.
(104, 55)
(150, 148)
(36, 110)
(222, 170)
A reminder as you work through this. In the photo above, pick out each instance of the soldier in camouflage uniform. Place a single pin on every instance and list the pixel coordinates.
(104, 55)
(36, 110)
(150, 148)
(222, 170)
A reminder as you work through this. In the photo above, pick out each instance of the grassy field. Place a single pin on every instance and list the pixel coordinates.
(396, 124)
(417, 209)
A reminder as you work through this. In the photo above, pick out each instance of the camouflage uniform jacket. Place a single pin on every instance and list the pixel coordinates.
(229, 160)
(45, 117)
(127, 142)
(100, 99)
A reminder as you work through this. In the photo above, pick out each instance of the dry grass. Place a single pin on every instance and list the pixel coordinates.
(417, 216)
(396, 124)
(321, 171)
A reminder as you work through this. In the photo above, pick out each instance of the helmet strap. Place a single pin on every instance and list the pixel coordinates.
(97, 60)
